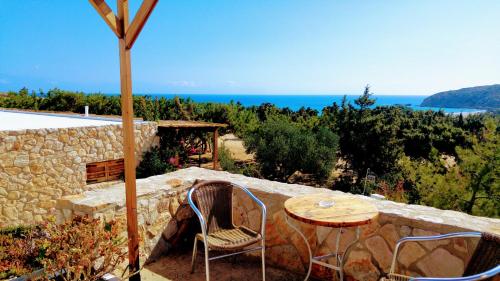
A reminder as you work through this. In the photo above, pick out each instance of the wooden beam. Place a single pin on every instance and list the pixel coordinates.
(215, 156)
(140, 19)
(123, 14)
(108, 16)
(128, 145)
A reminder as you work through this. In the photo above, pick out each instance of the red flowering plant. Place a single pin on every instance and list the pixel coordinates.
(82, 249)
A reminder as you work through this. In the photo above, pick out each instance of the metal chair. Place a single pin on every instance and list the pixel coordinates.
(212, 203)
(484, 263)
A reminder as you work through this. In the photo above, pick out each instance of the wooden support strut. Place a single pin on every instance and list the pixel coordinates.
(108, 16)
(139, 20)
(120, 26)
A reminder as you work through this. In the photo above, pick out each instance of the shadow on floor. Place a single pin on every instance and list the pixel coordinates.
(176, 267)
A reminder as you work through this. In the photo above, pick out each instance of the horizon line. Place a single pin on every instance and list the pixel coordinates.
(271, 94)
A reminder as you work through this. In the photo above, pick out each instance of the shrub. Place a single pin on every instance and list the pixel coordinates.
(282, 147)
(226, 161)
(83, 249)
(152, 164)
(19, 254)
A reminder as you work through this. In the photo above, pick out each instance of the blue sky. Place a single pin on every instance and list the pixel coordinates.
(257, 46)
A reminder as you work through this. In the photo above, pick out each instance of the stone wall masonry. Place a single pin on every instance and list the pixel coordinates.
(163, 211)
(38, 167)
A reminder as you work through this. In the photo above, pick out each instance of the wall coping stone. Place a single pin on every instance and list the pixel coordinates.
(114, 195)
(441, 221)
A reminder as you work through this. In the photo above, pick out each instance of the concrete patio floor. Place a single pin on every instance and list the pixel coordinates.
(176, 267)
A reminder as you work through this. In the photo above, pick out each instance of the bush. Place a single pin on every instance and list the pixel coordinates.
(80, 249)
(83, 249)
(282, 147)
(19, 254)
(226, 161)
(153, 164)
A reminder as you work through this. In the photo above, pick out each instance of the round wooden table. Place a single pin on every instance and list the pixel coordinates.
(337, 211)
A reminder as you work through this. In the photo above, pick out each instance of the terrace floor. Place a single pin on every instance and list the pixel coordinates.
(176, 267)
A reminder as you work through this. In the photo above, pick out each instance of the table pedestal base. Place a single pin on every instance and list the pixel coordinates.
(318, 259)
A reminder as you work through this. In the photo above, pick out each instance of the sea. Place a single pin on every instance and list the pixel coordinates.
(317, 102)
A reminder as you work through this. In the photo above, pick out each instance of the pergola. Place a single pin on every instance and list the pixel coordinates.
(127, 32)
(196, 125)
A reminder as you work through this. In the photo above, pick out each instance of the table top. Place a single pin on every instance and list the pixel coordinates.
(331, 210)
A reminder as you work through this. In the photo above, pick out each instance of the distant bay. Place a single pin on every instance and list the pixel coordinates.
(317, 102)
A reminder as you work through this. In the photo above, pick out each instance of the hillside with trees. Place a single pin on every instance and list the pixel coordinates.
(406, 151)
(481, 97)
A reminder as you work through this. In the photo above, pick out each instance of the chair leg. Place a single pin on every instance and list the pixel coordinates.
(263, 261)
(195, 252)
(207, 270)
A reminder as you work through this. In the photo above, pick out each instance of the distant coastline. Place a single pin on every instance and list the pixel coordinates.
(481, 97)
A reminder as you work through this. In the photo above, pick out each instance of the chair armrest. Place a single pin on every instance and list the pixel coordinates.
(198, 213)
(429, 238)
(262, 229)
(481, 276)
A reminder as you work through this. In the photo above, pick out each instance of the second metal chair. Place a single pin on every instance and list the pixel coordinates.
(484, 263)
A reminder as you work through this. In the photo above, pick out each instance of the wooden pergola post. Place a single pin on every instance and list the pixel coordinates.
(127, 34)
(215, 155)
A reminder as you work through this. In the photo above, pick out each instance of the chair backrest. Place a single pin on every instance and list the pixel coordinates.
(215, 202)
(486, 255)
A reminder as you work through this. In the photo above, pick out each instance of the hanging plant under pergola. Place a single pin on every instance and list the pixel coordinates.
(127, 34)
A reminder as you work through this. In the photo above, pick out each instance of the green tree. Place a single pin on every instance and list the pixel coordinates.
(369, 137)
(471, 186)
(481, 166)
(241, 120)
(365, 100)
(431, 183)
(282, 147)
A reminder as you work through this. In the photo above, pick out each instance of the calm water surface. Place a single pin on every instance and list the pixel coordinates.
(317, 102)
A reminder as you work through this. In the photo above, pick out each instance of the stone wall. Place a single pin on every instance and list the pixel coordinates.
(38, 167)
(163, 212)
(161, 205)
